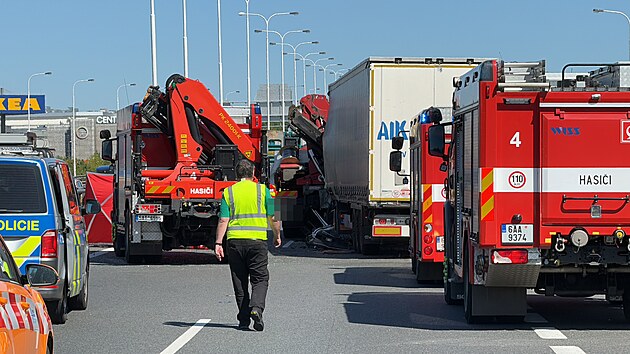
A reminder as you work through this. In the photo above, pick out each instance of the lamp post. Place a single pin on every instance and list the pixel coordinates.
(153, 45)
(220, 52)
(282, 61)
(249, 97)
(267, 19)
(315, 70)
(304, 59)
(28, 94)
(185, 39)
(618, 13)
(118, 89)
(74, 133)
(295, 64)
(229, 93)
(324, 68)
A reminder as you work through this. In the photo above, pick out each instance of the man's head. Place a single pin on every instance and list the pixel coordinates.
(245, 169)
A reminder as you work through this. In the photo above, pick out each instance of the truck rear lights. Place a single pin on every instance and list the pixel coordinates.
(428, 250)
(49, 244)
(509, 256)
(380, 221)
(428, 239)
(148, 208)
(428, 228)
(579, 238)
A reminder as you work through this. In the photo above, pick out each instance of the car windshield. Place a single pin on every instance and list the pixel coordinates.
(21, 189)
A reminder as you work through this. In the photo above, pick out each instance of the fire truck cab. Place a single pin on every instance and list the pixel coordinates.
(538, 187)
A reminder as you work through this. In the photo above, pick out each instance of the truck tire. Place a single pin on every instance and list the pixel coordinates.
(80, 302)
(58, 310)
(119, 244)
(448, 288)
(626, 304)
(468, 292)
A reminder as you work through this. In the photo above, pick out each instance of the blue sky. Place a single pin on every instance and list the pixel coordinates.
(110, 40)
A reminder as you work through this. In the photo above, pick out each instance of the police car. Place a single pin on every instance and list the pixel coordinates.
(42, 223)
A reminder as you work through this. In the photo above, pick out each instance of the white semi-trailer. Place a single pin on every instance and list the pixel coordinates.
(370, 105)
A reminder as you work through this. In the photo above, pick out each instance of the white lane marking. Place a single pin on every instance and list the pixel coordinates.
(186, 337)
(100, 253)
(569, 349)
(288, 244)
(549, 333)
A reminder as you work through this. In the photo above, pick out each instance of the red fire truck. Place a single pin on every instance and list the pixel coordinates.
(538, 187)
(428, 194)
(176, 153)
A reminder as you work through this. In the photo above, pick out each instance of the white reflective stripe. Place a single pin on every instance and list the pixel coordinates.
(10, 311)
(231, 203)
(438, 193)
(5, 318)
(34, 315)
(18, 299)
(502, 181)
(247, 228)
(584, 105)
(43, 316)
(259, 197)
(562, 180)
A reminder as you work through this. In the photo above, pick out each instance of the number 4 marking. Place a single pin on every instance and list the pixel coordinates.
(516, 139)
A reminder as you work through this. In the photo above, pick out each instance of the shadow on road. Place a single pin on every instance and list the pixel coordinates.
(429, 311)
(178, 257)
(396, 277)
(190, 324)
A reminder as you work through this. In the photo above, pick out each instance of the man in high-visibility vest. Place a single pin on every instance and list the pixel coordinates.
(246, 211)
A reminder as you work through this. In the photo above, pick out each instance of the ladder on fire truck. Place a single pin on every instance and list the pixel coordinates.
(522, 76)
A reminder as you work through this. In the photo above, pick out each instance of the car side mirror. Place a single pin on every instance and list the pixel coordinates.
(41, 275)
(436, 141)
(92, 207)
(107, 150)
(398, 142)
(395, 161)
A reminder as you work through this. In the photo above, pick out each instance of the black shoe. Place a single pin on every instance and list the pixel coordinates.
(259, 325)
(243, 326)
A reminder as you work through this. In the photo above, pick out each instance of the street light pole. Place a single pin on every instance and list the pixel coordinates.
(117, 90)
(295, 65)
(229, 93)
(315, 70)
(185, 39)
(324, 68)
(220, 53)
(73, 132)
(282, 57)
(304, 58)
(249, 94)
(153, 45)
(267, 19)
(618, 13)
(28, 95)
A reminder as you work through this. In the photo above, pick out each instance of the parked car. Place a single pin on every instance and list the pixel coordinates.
(42, 222)
(25, 326)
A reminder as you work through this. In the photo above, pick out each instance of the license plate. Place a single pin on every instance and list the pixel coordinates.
(517, 234)
(439, 243)
(149, 218)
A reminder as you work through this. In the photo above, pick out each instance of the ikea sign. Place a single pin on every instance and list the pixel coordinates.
(19, 104)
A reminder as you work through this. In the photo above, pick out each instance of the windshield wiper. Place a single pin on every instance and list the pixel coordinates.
(11, 210)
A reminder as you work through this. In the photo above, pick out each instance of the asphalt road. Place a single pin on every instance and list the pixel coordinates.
(317, 303)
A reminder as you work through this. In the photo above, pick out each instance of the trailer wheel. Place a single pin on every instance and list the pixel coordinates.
(626, 304)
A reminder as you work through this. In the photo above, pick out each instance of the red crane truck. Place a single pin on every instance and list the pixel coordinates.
(428, 194)
(176, 153)
(538, 187)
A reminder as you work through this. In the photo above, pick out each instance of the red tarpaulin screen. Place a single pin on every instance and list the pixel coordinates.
(99, 226)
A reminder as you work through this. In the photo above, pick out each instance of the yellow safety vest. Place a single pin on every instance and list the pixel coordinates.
(248, 215)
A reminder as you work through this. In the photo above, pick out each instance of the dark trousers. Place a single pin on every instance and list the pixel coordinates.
(248, 263)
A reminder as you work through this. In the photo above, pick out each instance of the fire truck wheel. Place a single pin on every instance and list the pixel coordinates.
(58, 310)
(626, 304)
(119, 244)
(448, 289)
(468, 292)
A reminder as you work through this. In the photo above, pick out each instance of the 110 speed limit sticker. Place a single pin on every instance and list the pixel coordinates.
(517, 179)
